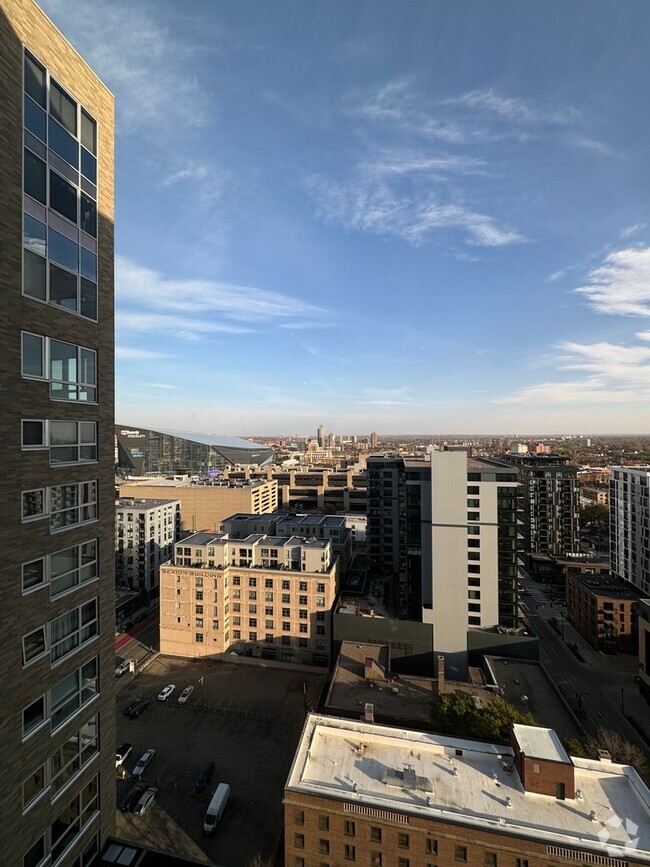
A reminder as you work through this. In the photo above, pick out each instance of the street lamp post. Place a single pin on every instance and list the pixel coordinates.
(201, 682)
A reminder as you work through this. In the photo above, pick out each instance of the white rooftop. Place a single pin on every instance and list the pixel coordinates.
(420, 773)
(540, 743)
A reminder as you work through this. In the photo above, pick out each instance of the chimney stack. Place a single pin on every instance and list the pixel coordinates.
(369, 712)
(441, 674)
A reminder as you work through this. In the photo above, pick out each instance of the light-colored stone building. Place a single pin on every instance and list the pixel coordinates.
(145, 532)
(204, 505)
(263, 596)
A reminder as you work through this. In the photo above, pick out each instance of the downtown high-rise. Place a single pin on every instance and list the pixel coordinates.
(57, 792)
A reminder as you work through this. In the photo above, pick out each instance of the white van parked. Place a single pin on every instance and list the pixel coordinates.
(216, 807)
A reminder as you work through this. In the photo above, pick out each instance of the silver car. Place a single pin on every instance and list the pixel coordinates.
(143, 763)
(146, 801)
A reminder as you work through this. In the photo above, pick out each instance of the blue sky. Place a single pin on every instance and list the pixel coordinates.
(403, 217)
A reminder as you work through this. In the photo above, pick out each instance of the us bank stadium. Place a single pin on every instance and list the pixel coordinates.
(141, 451)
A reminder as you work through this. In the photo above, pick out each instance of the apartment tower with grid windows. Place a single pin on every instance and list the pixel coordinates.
(57, 725)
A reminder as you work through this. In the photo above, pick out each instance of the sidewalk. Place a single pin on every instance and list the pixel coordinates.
(618, 673)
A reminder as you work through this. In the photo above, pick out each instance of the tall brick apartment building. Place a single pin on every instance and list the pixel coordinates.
(57, 726)
(367, 794)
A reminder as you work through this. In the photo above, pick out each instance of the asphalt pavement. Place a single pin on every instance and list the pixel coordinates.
(586, 686)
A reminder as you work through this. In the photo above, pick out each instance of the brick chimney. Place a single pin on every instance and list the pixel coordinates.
(441, 674)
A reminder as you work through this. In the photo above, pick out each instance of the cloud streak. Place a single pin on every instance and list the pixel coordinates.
(621, 283)
(189, 309)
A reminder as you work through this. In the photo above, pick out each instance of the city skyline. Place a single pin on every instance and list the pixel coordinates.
(440, 217)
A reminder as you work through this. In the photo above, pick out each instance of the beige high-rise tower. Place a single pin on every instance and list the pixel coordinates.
(57, 723)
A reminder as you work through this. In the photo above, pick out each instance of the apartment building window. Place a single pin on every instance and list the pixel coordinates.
(460, 853)
(303, 614)
(302, 585)
(350, 852)
(34, 715)
(490, 859)
(198, 595)
(73, 756)
(73, 630)
(473, 621)
(72, 693)
(349, 828)
(320, 644)
(236, 581)
(376, 859)
(320, 588)
(268, 582)
(473, 555)
(402, 841)
(320, 615)
(324, 846)
(521, 862)
(268, 624)
(474, 582)
(323, 823)
(236, 606)
(268, 610)
(375, 835)
(215, 624)
(268, 597)
(299, 862)
(252, 609)
(286, 598)
(252, 594)
(71, 370)
(236, 621)
(199, 623)
(252, 621)
(286, 627)
(199, 582)
(303, 627)
(70, 505)
(286, 585)
(286, 612)
(474, 606)
(36, 853)
(252, 582)
(298, 817)
(236, 593)
(431, 846)
(198, 637)
(236, 634)
(198, 609)
(302, 600)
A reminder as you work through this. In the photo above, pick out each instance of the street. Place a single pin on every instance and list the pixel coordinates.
(588, 687)
(139, 640)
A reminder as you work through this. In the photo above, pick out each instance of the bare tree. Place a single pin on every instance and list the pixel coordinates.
(622, 751)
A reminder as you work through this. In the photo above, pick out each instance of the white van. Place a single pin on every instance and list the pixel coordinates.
(216, 807)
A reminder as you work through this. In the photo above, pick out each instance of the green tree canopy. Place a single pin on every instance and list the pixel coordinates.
(458, 714)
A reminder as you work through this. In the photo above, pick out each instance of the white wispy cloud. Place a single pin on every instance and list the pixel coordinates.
(516, 110)
(611, 373)
(628, 231)
(145, 320)
(190, 171)
(133, 353)
(621, 283)
(379, 208)
(143, 62)
(591, 144)
(162, 385)
(188, 308)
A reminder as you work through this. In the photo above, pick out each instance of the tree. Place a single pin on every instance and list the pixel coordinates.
(458, 714)
(623, 752)
(594, 514)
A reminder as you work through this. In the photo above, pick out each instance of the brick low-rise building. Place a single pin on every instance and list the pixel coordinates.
(262, 596)
(360, 793)
(604, 611)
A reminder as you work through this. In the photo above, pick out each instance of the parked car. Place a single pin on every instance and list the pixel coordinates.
(131, 798)
(140, 705)
(128, 707)
(204, 777)
(187, 692)
(143, 763)
(146, 801)
(123, 667)
(122, 753)
(164, 693)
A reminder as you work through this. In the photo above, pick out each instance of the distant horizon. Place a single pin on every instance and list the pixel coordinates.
(345, 433)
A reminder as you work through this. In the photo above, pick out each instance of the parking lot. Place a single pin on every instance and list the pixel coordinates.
(245, 718)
